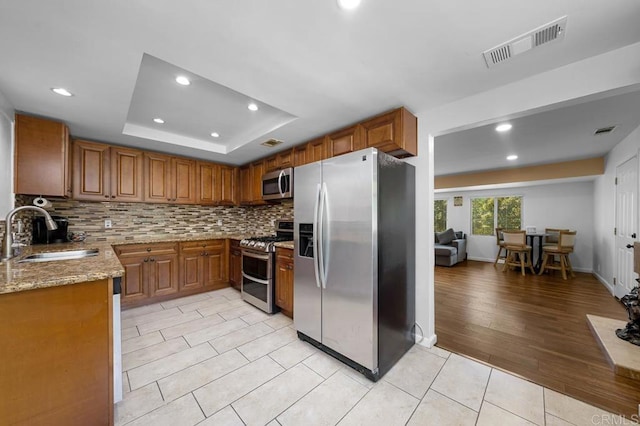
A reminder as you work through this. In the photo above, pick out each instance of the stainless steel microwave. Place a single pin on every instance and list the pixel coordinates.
(277, 185)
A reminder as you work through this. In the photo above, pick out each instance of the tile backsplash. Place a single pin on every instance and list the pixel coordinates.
(138, 220)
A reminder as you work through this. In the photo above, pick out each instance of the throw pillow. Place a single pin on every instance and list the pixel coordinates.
(447, 236)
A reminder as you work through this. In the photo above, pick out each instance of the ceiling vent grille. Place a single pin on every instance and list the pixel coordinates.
(603, 130)
(271, 143)
(553, 31)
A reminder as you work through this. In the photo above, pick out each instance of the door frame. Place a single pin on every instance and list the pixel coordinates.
(616, 272)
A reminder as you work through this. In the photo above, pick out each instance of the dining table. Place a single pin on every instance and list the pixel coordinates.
(532, 237)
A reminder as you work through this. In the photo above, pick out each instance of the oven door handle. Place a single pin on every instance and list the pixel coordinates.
(249, 277)
(255, 255)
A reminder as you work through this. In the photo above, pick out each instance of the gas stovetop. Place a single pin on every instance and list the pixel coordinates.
(284, 232)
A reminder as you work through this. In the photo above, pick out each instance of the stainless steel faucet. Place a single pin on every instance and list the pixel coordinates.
(7, 252)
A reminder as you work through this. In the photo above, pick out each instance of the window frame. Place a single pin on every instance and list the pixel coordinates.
(495, 212)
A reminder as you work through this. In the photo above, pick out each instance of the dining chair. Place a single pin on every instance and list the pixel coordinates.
(551, 239)
(518, 252)
(500, 243)
(562, 249)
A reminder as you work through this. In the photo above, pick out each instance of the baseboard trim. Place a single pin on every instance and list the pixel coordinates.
(427, 342)
(604, 282)
(482, 259)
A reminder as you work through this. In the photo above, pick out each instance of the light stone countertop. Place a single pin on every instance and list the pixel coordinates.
(285, 244)
(15, 277)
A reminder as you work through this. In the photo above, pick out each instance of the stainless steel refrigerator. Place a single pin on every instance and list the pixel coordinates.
(354, 271)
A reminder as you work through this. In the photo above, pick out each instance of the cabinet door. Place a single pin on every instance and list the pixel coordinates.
(191, 268)
(158, 175)
(284, 281)
(228, 185)
(91, 171)
(163, 274)
(271, 164)
(316, 150)
(235, 265)
(205, 183)
(300, 156)
(345, 141)
(42, 157)
(127, 174)
(394, 132)
(135, 285)
(257, 170)
(285, 159)
(246, 187)
(183, 173)
(215, 264)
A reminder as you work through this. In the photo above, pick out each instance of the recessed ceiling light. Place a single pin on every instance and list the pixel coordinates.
(348, 4)
(505, 127)
(252, 107)
(215, 134)
(183, 80)
(512, 157)
(158, 120)
(61, 91)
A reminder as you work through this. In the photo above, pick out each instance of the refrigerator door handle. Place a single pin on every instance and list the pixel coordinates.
(280, 183)
(321, 257)
(316, 267)
(326, 249)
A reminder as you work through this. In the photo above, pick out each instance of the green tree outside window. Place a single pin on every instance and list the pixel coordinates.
(439, 215)
(488, 213)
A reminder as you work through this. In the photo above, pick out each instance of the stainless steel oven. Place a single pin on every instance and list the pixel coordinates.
(277, 185)
(258, 266)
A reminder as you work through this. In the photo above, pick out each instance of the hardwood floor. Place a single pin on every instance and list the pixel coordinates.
(534, 326)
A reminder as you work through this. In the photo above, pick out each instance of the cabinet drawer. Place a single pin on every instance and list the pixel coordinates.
(284, 252)
(144, 249)
(200, 245)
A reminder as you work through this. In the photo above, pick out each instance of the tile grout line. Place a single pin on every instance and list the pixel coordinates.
(234, 410)
(199, 406)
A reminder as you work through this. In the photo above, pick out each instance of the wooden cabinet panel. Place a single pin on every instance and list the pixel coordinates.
(163, 274)
(135, 286)
(246, 185)
(127, 174)
(191, 269)
(285, 159)
(205, 183)
(284, 280)
(257, 170)
(91, 171)
(157, 178)
(344, 141)
(300, 156)
(215, 265)
(42, 157)
(235, 264)
(271, 163)
(317, 150)
(394, 132)
(226, 191)
(183, 181)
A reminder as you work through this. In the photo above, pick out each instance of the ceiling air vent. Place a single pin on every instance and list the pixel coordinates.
(271, 143)
(544, 34)
(603, 130)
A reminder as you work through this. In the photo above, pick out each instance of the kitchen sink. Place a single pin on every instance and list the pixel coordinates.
(59, 255)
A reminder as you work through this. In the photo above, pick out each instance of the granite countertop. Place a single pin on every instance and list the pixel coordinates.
(16, 276)
(285, 244)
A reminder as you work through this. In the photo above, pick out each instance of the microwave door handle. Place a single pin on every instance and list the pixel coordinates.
(316, 267)
(280, 190)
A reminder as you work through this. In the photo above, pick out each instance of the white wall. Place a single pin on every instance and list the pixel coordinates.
(604, 208)
(609, 71)
(6, 156)
(560, 205)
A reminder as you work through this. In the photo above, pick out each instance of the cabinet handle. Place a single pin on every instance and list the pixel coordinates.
(146, 259)
(113, 196)
(202, 254)
(153, 259)
(149, 249)
(106, 196)
(206, 253)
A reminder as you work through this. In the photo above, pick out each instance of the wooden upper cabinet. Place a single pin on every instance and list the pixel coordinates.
(157, 187)
(272, 163)
(300, 155)
(344, 141)
(216, 184)
(316, 150)
(42, 157)
(395, 132)
(285, 159)
(91, 171)
(246, 185)
(103, 172)
(257, 170)
(169, 179)
(183, 180)
(127, 174)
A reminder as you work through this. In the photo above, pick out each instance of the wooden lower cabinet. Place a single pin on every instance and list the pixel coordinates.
(284, 280)
(162, 271)
(56, 356)
(235, 264)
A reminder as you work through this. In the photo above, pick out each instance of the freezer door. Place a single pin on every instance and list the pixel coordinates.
(307, 294)
(349, 256)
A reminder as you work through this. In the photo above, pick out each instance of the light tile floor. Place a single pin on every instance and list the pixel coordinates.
(212, 359)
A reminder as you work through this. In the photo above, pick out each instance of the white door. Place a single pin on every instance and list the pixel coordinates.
(626, 225)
